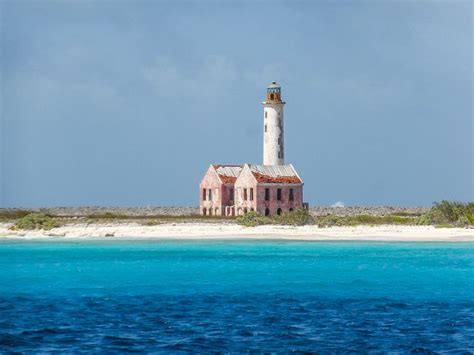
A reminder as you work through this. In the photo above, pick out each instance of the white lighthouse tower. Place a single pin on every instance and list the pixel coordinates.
(273, 141)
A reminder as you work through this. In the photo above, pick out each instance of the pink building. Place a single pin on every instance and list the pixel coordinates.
(272, 188)
(217, 197)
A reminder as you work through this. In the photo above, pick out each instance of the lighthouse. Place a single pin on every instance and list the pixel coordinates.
(271, 188)
(273, 137)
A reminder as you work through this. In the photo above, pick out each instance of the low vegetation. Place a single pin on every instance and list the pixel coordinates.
(107, 215)
(332, 220)
(444, 214)
(298, 217)
(36, 221)
(12, 215)
(253, 219)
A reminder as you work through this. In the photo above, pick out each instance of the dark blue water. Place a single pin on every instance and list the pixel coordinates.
(113, 296)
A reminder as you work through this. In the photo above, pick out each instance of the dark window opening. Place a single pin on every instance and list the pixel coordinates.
(266, 114)
(251, 209)
(267, 212)
(265, 128)
(267, 194)
(210, 195)
(279, 211)
(204, 194)
(291, 209)
(203, 211)
(279, 155)
(291, 196)
(245, 194)
(245, 210)
(272, 96)
(279, 194)
(251, 194)
(279, 141)
(231, 194)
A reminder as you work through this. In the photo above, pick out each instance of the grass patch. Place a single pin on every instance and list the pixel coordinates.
(107, 215)
(36, 221)
(333, 220)
(445, 225)
(151, 222)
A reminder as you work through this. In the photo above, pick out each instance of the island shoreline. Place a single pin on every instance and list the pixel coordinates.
(224, 232)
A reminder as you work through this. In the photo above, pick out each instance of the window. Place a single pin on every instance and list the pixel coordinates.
(279, 194)
(204, 193)
(245, 210)
(291, 209)
(279, 211)
(231, 194)
(210, 211)
(251, 194)
(267, 212)
(272, 96)
(279, 140)
(210, 195)
(291, 195)
(266, 114)
(245, 194)
(265, 128)
(203, 211)
(267, 194)
(279, 155)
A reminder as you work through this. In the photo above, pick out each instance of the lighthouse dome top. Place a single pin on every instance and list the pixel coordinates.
(274, 85)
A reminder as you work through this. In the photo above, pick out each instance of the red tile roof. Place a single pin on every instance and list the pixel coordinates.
(275, 174)
(276, 179)
(228, 173)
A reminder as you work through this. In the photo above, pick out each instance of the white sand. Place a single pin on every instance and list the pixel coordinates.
(233, 231)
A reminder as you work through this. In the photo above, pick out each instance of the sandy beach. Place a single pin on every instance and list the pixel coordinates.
(205, 231)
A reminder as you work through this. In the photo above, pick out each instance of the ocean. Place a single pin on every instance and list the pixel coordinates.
(236, 296)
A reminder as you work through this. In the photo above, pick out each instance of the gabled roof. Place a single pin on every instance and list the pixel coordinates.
(275, 174)
(228, 173)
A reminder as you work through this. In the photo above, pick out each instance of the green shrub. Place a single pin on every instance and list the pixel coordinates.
(298, 217)
(329, 220)
(446, 212)
(252, 219)
(8, 215)
(36, 221)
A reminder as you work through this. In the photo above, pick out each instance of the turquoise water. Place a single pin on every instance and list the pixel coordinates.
(236, 296)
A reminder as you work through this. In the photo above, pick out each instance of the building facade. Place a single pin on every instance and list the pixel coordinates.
(217, 192)
(270, 189)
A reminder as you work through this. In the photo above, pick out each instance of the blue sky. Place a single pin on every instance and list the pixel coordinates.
(126, 103)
